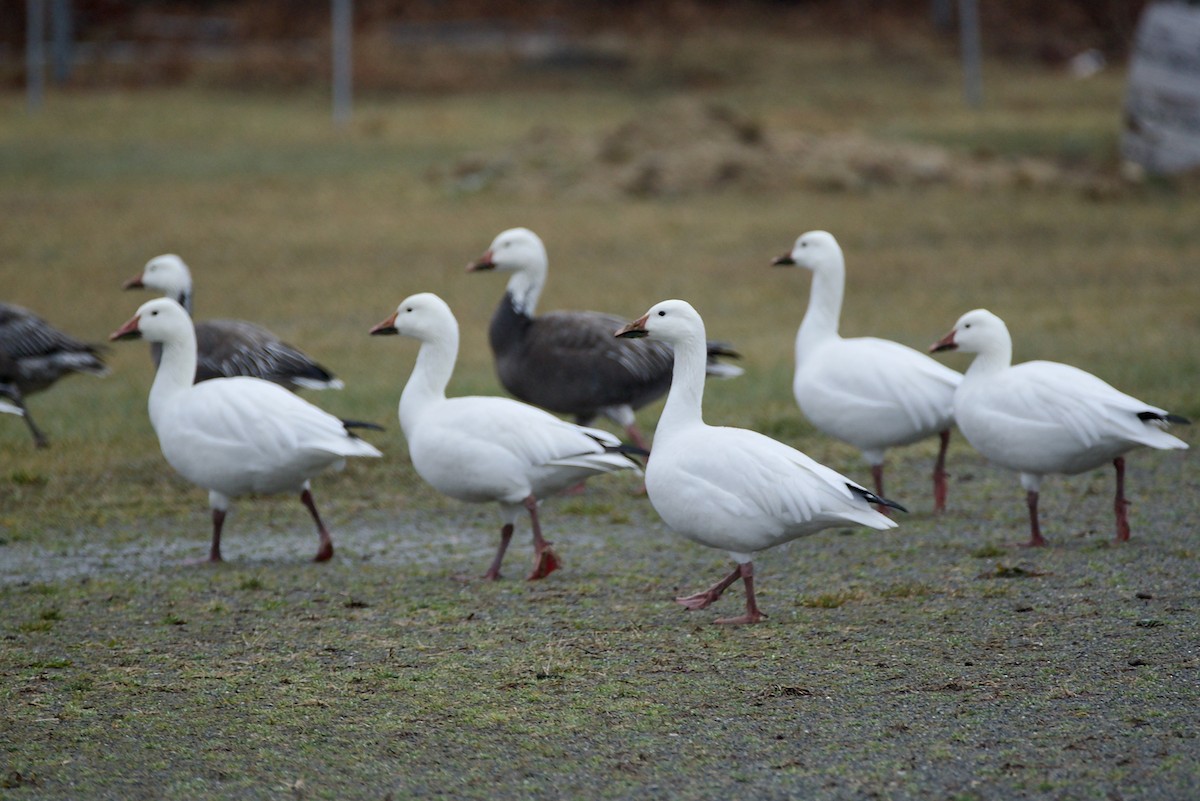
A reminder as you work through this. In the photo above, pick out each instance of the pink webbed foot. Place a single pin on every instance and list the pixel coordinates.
(546, 561)
(700, 600)
(324, 553)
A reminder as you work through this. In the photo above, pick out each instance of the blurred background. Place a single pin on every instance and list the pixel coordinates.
(441, 45)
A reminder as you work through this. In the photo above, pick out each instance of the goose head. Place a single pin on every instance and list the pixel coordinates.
(167, 274)
(672, 321)
(813, 250)
(424, 317)
(977, 331)
(158, 320)
(514, 250)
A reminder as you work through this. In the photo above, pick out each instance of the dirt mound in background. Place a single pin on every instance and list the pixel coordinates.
(686, 147)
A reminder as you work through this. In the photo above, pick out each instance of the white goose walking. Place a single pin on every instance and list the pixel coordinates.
(482, 449)
(731, 488)
(235, 436)
(1044, 417)
(873, 393)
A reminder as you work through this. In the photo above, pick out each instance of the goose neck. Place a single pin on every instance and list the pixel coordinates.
(176, 373)
(685, 400)
(430, 376)
(525, 289)
(824, 312)
(995, 357)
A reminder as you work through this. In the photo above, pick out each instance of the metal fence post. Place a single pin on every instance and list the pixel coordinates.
(342, 26)
(972, 51)
(35, 53)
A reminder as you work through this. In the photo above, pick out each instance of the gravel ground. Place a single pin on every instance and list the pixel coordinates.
(927, 662)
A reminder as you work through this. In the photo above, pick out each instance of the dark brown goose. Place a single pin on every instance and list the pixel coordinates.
(568, 361)
(232, 347)
(34, 355)
(9, 394)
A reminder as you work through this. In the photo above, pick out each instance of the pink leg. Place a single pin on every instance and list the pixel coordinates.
(218, 518)
(545, 560)
(325, 548)
(1035, 531)
(1120, 505)
(702, 599)
(752, 614)
(939, 474)
(506, 533)
(877, 474)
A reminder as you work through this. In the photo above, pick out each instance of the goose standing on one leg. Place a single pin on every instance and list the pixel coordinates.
(482, 449)
(567, 361)
(872, 393)
(1044, 417)
(227, 348)
(38, 354)
(731, 488)
(240, 435)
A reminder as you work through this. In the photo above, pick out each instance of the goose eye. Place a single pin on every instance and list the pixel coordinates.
(662, 314)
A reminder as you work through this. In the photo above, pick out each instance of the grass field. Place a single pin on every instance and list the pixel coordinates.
(929, 662)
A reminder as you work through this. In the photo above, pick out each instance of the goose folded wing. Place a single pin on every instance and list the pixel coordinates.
(753, 476)
(24, 335)
(583, 343)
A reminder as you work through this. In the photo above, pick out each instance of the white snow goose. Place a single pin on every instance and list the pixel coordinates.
(240, 435)
(1044, 417)
(482, 449)
(731, 488)
(37, 355)
(872, 393)
(232, 347)
(567, 361)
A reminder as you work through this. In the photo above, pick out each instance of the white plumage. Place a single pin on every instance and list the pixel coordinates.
(235, 436)
(872, 393)
(481, 449)
(731, 488)
(1044, 417)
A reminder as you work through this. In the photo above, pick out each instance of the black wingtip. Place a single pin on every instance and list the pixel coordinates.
(349, 424)
(631, 452)
(871, 497)
(1167, 418)
(629, 449)
(716, 349)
